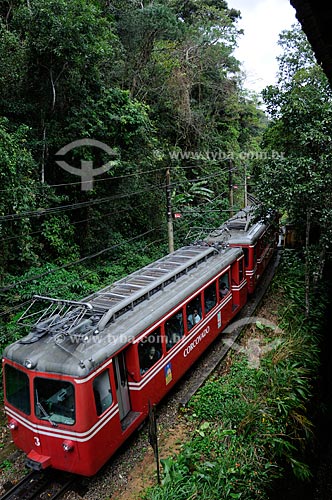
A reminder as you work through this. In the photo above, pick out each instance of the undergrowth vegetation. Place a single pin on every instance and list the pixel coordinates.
(251, 419)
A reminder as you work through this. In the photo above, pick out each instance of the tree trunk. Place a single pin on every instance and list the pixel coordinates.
(43, 158)
(307, 263)
(321, 266)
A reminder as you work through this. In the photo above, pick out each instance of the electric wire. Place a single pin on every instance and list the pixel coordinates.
(74, 206)
(65, 285)
(104, 215)
(78, 261)
(80, 183)
(88, 273)
(15, 308)
(100, 216)
(85, 274)
(85, 220)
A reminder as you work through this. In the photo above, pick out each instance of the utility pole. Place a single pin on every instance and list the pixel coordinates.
(169, 212)
(230, 185)
(153, 437)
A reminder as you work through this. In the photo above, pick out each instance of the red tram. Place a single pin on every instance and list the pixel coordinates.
(81, 381)
(258, 241)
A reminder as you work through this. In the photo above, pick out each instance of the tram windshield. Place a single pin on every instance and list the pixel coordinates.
(17, 389)
(54, 401)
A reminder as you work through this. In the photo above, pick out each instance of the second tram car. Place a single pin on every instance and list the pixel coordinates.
(258, 240)
(82, 380)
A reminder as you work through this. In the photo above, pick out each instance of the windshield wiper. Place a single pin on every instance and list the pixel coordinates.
(42, 409)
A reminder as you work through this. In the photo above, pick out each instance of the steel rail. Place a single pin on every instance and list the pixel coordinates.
(30, 487)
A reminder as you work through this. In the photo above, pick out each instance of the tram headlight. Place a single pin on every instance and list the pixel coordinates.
(12, 425)
(68, 446)
(29, 364)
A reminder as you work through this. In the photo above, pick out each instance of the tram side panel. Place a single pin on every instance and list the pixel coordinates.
(103, 434)
(176, 342)
(239, 285)
(256, 258)
(266, 244)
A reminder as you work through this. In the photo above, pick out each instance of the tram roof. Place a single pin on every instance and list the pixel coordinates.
(241, 229)
(64, 353)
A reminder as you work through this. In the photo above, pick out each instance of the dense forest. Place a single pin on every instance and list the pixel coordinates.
(158, 85)
(156, 99)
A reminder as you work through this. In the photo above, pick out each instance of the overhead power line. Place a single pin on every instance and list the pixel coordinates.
(80, 183)
(79, 261)
(15, 308)
(74, 206)
(139, 174)
(82, 276)
(96, 217)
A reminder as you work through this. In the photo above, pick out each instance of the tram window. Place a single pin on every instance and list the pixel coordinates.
(241, 270)
(223, 285)
(265, 239)
(259, 247)
(246, 256)
(17, 389)
(174, 329)
(210, 297)
(54, 401)
(194, 312)
(149, 351)
(102, 392)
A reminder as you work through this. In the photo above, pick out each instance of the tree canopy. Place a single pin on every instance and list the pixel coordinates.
(148, 80)
(298, 180)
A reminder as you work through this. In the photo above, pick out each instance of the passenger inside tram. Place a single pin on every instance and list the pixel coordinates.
(223, 290)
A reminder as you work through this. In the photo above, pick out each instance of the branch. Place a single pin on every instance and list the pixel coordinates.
(8, 13)
(53, 83)
(53, 89)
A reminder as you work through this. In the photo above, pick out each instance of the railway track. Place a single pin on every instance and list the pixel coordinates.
(48, 485)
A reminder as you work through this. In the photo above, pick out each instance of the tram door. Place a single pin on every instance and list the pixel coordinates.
(122, 390)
